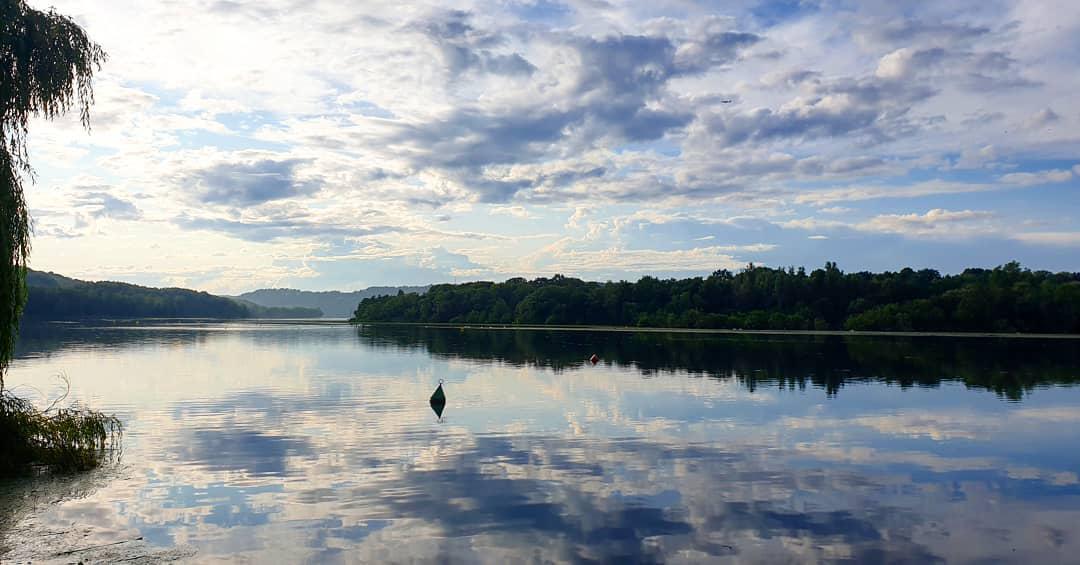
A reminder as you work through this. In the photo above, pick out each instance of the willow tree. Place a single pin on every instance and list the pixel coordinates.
(46, 64)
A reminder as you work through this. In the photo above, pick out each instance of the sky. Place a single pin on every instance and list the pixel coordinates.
(326, 145)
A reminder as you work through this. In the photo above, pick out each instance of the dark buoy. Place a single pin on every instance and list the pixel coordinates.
(438, 400)
(594, 359)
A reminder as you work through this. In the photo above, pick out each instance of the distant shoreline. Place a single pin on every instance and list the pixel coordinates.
(631, 329)
(147, 323)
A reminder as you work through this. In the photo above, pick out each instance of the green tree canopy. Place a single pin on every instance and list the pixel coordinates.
(1008, 298)
(46, 65)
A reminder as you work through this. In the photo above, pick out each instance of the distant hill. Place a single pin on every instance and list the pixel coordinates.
(334, 304)
(56, 297)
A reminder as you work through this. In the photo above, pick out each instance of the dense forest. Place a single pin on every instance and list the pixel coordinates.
(1008, 298)
(55, 297)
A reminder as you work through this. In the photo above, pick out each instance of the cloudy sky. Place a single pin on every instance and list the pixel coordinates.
(335, 145)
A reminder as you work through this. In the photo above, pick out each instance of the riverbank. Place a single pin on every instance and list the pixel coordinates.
(721, 331)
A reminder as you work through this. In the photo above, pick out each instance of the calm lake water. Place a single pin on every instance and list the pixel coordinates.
(295, 442)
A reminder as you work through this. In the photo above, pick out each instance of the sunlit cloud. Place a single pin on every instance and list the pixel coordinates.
(281, 127)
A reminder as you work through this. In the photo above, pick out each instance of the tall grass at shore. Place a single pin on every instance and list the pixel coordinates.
(57, 439)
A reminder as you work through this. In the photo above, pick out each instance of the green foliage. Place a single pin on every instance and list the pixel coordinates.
(119, 300)
(55, 297)
(14, 249)
(1006, 299)
(46, 65)
(65, 439)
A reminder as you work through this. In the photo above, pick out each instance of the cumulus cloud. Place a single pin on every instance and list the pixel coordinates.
(903, 63)
(464, 48)
(868, 107)
(579, 115)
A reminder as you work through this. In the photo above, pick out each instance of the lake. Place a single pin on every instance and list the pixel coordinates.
(294, 442)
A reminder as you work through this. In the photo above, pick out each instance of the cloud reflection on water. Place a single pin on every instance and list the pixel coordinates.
(318, 444)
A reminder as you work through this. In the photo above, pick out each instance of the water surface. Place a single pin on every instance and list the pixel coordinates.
(314, 442)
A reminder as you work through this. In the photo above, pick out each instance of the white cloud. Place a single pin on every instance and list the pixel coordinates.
(813, 224)
(934, 224)
(837, 210)
(519, 212)
(1057, 239)
(1038, 177)
(310, 122)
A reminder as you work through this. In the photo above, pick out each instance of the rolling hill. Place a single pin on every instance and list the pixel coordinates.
(56, 297)
(334, 304)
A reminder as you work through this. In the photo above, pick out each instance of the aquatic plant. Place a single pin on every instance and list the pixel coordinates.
(67, 439)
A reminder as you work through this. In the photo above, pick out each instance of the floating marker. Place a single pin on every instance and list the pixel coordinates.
(594, 359)
(438, 400)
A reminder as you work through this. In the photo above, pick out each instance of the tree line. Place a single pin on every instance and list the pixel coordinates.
(1008, 298)
(55, 297)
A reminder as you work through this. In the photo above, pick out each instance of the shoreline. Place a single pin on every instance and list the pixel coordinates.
(717, 331)
(150, 323)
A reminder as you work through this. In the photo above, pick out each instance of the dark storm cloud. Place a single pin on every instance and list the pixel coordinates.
(251, 183)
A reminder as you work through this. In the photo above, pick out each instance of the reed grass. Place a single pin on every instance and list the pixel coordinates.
(59, 439)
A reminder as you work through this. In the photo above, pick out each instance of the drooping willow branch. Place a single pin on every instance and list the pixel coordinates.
(46, 66)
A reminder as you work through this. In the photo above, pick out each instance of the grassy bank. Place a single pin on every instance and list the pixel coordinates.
(57, 439)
